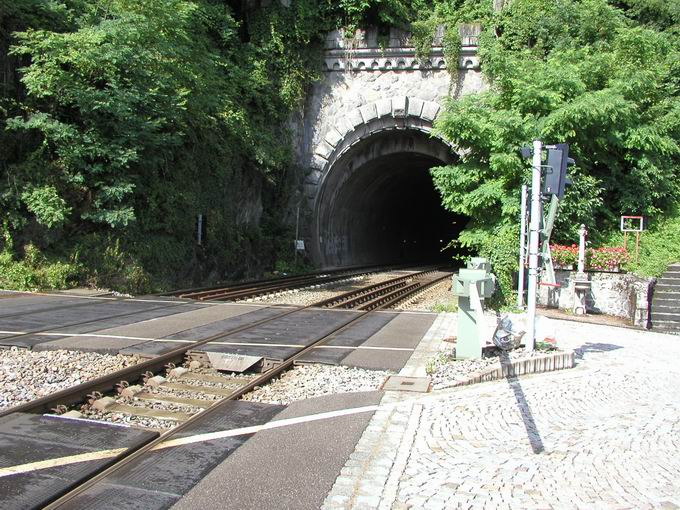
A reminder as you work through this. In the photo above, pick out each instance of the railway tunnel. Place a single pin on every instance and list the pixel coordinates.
(378, 204)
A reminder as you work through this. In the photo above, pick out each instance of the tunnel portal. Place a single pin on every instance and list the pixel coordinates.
(378, 203)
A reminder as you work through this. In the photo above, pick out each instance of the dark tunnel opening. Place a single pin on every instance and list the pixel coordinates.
(381, 206)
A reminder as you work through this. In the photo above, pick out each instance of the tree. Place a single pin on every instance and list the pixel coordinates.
(582, 72)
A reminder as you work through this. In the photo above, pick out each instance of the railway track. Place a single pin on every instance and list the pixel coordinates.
(258, 288)
(160, 388)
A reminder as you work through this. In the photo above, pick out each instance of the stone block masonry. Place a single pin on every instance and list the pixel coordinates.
(366, 89)
(622, 295)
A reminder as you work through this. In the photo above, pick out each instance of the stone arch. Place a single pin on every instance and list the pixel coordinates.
(389, 113)
(382, 131)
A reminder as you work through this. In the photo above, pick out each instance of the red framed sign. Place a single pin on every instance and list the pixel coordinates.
(632, 223)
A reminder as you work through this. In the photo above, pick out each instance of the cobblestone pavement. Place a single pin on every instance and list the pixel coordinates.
(603, 435)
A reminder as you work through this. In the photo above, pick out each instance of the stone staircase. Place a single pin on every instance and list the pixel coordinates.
(666, 302)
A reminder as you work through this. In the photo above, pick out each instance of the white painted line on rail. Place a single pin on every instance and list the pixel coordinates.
(140, 300)
(96, 335)
(251, 344)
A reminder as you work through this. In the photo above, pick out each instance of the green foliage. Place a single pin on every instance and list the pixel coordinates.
(35, 271)
(500, 247)
(445, 307)
(659, 247)
(109, 265)
(122, 120)
(582, 72)
(47, 206)
(564, 255)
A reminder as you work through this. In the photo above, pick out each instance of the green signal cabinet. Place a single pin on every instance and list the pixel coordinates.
(472, 286)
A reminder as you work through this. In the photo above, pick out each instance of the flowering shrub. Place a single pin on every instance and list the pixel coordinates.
(606, 258)
(564, 255)
(596, 258)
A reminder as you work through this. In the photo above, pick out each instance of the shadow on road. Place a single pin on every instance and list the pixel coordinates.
(522, 404)
(596, 347)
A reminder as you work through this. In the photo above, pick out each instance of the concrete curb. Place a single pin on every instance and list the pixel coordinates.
(535, 365)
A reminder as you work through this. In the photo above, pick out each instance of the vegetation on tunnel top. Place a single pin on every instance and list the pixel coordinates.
(122, 120)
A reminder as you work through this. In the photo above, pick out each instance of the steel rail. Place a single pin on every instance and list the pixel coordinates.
(274, 286)
(255, 283)
(133, 373)
(423, 287)
(258, 381)
(354, 299)
(260, 291)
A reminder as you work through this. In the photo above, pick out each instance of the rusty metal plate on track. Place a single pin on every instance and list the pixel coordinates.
(26, 439)
(228, 361)
(401, 383)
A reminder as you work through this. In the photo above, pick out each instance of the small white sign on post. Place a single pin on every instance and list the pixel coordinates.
(299, 244)
(632, 224)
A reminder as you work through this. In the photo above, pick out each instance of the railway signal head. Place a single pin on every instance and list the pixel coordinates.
(556, 179)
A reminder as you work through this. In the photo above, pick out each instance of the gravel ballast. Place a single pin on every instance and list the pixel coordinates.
(446, 371)
(435, 299)
(27, 375)
(310, 295)
(309, 381)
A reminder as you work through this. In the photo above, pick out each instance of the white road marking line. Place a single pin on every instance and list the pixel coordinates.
(60, 461)
(199, 438)
(97, 335)
(104, 454)
(251, 344)
(365, 347)
(175, 340)
(171, 443)
(229, 343)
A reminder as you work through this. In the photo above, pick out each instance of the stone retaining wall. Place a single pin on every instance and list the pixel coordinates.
(622, 295)
(533, 365)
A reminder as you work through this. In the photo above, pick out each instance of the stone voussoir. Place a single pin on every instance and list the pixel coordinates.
(369, 112)
(333, 137)
(399, 106)
(415, 107)
(430, 110)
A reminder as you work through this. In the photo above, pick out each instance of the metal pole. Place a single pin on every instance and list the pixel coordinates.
(534, 234)
(297, 233)
(582, 249)
(546, 255)
(522, 248)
